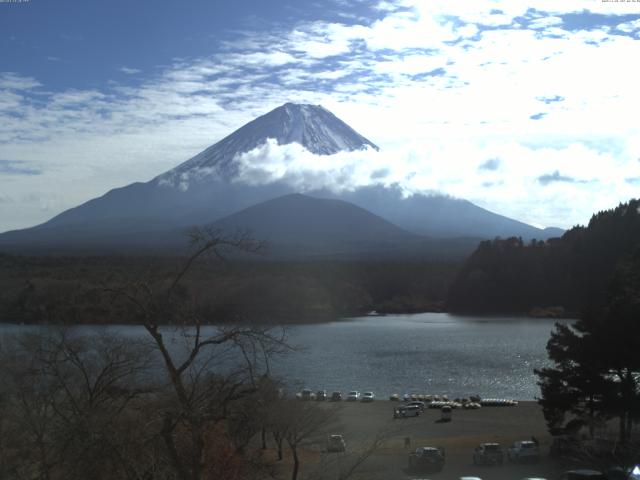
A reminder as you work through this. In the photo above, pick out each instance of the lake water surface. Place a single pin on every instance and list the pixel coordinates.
(432, 353)
(423, 353)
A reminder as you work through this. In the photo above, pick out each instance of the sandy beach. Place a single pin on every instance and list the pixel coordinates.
(360, 423)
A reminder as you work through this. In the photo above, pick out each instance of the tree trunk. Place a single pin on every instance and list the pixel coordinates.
(591, 415)
(167, 435)
(623, 427)
(296, 463)
(264, 438)
(196, 453)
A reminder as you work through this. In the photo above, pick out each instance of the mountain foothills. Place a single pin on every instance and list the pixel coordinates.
(152, 217)
(560, 276)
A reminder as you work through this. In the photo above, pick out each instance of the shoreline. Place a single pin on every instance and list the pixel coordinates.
(318, 319)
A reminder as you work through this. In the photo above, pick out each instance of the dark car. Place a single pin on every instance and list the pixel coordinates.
(583, 475)
(321, 395)
(488, 454)
(336, 396)
(429, 459)
(417, 403)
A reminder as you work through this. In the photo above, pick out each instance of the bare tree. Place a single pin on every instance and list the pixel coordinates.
(69, 404)
(186, 403)
(300, 424)
(202, 380)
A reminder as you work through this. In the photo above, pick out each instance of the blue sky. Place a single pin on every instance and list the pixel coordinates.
(526, 108)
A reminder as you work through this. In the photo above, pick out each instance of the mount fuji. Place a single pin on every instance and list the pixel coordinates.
(312, 126)
(147, 217)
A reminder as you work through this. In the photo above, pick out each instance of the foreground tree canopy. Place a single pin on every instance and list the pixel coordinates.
(596, 372)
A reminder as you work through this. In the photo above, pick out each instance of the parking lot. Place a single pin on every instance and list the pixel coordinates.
(361, 423)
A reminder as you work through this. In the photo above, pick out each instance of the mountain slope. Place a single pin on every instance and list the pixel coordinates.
(302, 220)
(438, 216)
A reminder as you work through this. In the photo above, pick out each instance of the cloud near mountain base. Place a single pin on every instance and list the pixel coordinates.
(578, 179)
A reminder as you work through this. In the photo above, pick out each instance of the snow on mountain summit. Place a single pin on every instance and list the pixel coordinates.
(312, 126)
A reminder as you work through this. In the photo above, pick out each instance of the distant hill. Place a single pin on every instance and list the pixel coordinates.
(571, 272)
(297, 219)
(300, 226)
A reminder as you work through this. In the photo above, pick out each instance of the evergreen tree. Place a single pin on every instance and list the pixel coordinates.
(596, 372)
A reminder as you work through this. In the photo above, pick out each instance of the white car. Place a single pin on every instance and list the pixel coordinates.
(353, 396)
(368, 397)
(306, 394)
(524, 451)
(335, 443)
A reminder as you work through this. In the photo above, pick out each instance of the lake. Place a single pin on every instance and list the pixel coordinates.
(434, 353)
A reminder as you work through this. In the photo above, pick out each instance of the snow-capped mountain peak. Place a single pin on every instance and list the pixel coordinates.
(312, 126)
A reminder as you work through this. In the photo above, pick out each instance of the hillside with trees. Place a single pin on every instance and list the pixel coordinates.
(561, 276)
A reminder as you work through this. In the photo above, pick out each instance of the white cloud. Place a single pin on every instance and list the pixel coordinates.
(629, 27)
(14, 81)
(130, 71)
(273, 59)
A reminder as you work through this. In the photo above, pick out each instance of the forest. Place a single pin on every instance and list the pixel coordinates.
(69, 290)
(558, 277)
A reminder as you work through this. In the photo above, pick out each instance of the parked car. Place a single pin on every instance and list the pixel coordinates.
(335, 443)
(404, 411)
(321, 395)
(306, 394)
(336, 396)
(429, 459)
(524, 451)
(353, 396)
(488, 454)
(445, 413)
(416, 403)
(394, 397)
(583, 474)
(368, 397)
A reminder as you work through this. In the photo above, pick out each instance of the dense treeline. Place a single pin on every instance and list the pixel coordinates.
(569, 274)
(68, 289)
